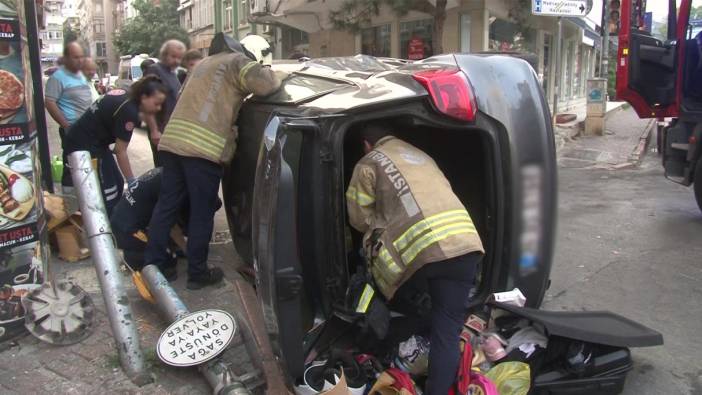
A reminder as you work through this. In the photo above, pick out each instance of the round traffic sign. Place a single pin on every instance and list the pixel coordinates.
(196, 338)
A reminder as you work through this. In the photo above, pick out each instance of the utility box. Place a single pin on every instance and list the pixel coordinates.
(596, 106)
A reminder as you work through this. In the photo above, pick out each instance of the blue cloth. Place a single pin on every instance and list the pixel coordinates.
(184, 177)
(71, 92)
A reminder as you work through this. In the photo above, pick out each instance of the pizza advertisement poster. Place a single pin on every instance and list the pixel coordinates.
(13, 89)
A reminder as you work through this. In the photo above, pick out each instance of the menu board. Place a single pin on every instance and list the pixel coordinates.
(23, 236)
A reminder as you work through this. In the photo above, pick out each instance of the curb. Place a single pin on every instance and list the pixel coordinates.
(640, 149)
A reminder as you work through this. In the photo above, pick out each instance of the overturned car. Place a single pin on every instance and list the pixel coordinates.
(484, 120)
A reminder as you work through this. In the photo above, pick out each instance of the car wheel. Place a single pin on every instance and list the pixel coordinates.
(698, 183)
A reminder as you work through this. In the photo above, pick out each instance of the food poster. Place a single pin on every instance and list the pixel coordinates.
(21, 272)
(23, 236)
(16, 92)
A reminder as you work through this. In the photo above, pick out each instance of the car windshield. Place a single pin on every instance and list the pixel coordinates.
(298, 87)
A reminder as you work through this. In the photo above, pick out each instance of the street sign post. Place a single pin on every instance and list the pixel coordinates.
(196, 338)
(577, 8)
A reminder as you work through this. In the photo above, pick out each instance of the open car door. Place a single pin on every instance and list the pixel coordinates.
(647, 67)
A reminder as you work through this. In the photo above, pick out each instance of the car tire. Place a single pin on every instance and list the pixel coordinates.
(697, 183)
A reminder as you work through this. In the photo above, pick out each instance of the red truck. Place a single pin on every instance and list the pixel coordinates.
(661, 77)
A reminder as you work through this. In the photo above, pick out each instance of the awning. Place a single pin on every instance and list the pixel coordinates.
(590, 36)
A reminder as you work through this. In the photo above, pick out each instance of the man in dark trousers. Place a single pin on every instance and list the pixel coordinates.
(199, 139)
(170, 56)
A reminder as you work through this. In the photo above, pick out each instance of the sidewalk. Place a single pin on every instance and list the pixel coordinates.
(624, 142)
(29, 366)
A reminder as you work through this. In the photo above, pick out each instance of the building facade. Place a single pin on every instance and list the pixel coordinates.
(97, 27)
(197, 18)
(52, 34)
(471, 26)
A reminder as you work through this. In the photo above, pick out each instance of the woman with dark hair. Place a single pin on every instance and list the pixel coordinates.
(111, 120)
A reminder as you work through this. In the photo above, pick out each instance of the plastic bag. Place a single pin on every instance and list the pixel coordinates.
(511, 378)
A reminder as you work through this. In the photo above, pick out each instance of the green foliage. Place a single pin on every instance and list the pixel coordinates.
(69, 35)
(153, 25)
(696, 13)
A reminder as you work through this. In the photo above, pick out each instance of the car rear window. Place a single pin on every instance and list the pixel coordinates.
(298, 88)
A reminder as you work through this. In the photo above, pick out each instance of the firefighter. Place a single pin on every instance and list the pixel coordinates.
(199, 138)
(415, 228)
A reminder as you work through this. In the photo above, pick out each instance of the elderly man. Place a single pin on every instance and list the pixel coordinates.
(170, 56)
(89, 71)
(68, 95)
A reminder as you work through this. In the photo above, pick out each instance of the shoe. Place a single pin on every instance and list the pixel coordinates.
(210, 277)
(170, 273)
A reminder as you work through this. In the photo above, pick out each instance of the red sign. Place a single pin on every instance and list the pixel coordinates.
(416, 49)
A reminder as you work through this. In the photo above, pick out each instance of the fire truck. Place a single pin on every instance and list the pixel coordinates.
(661, 77)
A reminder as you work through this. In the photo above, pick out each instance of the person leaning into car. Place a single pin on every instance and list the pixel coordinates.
(199, 138)
(416, 231)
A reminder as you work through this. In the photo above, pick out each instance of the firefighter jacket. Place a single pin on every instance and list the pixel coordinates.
(399, 198)
(202, 123)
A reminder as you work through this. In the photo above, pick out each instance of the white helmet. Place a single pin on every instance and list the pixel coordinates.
(259, 48)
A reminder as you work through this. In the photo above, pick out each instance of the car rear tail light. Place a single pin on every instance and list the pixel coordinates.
(450, 91)
(692, 140)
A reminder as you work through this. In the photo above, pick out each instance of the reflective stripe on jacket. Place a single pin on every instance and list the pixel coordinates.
(202, 123)
(404, 204)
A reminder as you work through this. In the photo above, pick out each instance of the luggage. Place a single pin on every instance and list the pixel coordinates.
(587, 352)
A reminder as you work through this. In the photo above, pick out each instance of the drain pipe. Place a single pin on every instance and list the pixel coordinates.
(102, 246)
(216, 372)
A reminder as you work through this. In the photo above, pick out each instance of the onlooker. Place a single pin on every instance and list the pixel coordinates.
(68, 96)
(89, 71)
(171, 54)
(145, 65)
(190, 60)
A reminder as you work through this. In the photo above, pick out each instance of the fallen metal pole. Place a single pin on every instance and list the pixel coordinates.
(216, 372)
(104, 251)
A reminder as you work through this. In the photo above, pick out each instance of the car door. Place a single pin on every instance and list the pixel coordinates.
(275, 246)
(648, 66)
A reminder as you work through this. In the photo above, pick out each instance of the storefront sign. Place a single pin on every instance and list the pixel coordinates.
(196, 338)
(561, 7)
(416, 49)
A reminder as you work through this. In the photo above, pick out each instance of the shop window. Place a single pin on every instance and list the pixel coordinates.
(509, 36)
(415, 39)
(243, 12)
(465, 33)
(375, 41)
(227, 15)
(577, 69)
(546, 65)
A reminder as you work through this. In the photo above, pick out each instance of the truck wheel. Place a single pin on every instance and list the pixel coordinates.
(698, 183)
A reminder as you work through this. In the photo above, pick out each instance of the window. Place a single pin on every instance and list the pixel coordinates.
(99, 28)
(100, 49)
(508, 36)
(227, 14)
(546, 65)
(244, 12)
(375, 41)
(415, 39)
(98, 8)
(465, 33)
